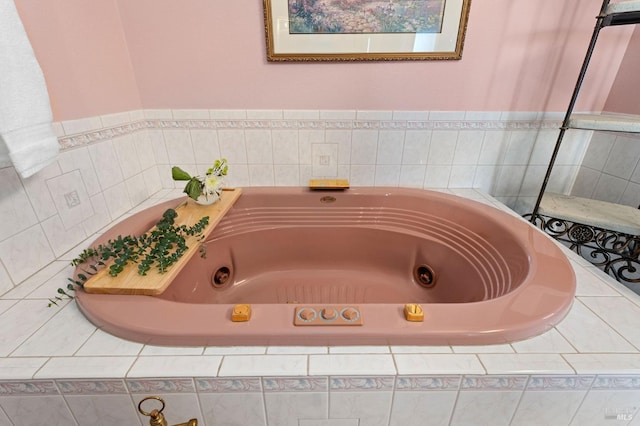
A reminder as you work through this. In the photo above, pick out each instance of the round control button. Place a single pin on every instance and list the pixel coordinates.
(307, 314)
(350, 314)
(329, 313)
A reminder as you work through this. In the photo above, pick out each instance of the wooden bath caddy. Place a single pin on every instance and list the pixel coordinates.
(154, 283)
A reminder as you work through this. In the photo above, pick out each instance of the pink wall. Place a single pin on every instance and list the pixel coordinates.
(625, 93)
(518, 56)
(82, 51)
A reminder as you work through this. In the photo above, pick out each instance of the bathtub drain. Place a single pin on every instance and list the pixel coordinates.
(425, 276)
(221, 276)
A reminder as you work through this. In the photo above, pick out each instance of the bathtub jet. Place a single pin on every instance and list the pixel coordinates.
(481, 275)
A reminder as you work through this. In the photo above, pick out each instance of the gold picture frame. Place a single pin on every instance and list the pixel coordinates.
(365, 30)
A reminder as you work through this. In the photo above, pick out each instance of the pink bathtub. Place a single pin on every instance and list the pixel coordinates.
(480, 275)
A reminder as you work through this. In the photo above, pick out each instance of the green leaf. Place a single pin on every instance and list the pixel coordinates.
(193, 188)
(178, 174)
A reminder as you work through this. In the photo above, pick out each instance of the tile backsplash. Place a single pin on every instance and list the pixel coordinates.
(112, 163)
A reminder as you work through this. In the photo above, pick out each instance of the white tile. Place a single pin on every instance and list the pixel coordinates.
(337, 114)
(55, 338)
(288, 350)
(232, 146)
(559, 407)
(264, 114)
(462, 176)
(79, 159)
(144, 149)
(27, 410)
(190, 114)
(412, 175)
(38, 192)
(285, 146)
(261, 175)
(127, 156)
(175, 366)
(524, 364)
(446, 115)
(416, 147)
(286, 174)
(438, 364)
(25, 253)
(588, 333)
(81, 125)
(623, 157)
(306, 138)
(115, 409)
(442, 147)
(259, 146)
(286, 408)
(6, 284)
(235, 350)
(223, 114)
(117, 200)
(20, 321)
(371, 408)
(359, 349)
(362, 175)
(324, 159)
(20, 368)
(493, 147)
(549, 342)
(374, 115)
(604, 363)
(490, 349)
(435, 406)
(390, 147)
(82, 367)
(171, 350)
(420, 349)
(348, 364)
(157, 114)
(480, 408)
(508, 181)
(387, 175)
(264, 365)
(104, 344)
(101, 215)
(15, 208)
(437, 176)
(411, 115)
(179, 146)
(364, 146)
(232, 408)
(598, 151)
(35, 280)
(301, 114)
(137, 189)
(619, 313)
(602, 407)
(609, 188)
(468, 147)
(519, 147)
(113, 120)
(62, 239)
(70, 198)
(105, 160)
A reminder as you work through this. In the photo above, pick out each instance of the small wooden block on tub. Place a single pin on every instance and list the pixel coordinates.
(154, 283)
(328, 184)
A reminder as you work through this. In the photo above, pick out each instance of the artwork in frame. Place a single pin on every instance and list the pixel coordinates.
(363, 30)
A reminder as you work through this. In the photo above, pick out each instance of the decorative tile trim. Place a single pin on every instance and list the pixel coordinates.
(92, 387)
(552, 383)
(229, 385)
(382, 383)
(32, 387)
(428, 383)
(161, 385)
(98, 135)
(616, 383)
(491, 383)
(295, 384)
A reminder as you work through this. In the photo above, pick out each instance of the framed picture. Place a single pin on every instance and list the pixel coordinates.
(364, 30)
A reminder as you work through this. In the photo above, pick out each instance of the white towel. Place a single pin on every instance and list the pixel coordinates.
(25, 111)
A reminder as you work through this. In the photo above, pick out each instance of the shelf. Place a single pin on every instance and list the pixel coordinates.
(622, 13)
(601, 214)
(608, 122)
(154, 283)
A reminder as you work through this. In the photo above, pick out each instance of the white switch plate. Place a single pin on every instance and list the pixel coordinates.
(324, 159)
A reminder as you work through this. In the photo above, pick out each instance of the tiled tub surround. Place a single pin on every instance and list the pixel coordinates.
(111, 163)
(610, 170)
(585, 371)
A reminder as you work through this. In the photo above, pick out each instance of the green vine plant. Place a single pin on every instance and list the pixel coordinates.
(161, 247)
